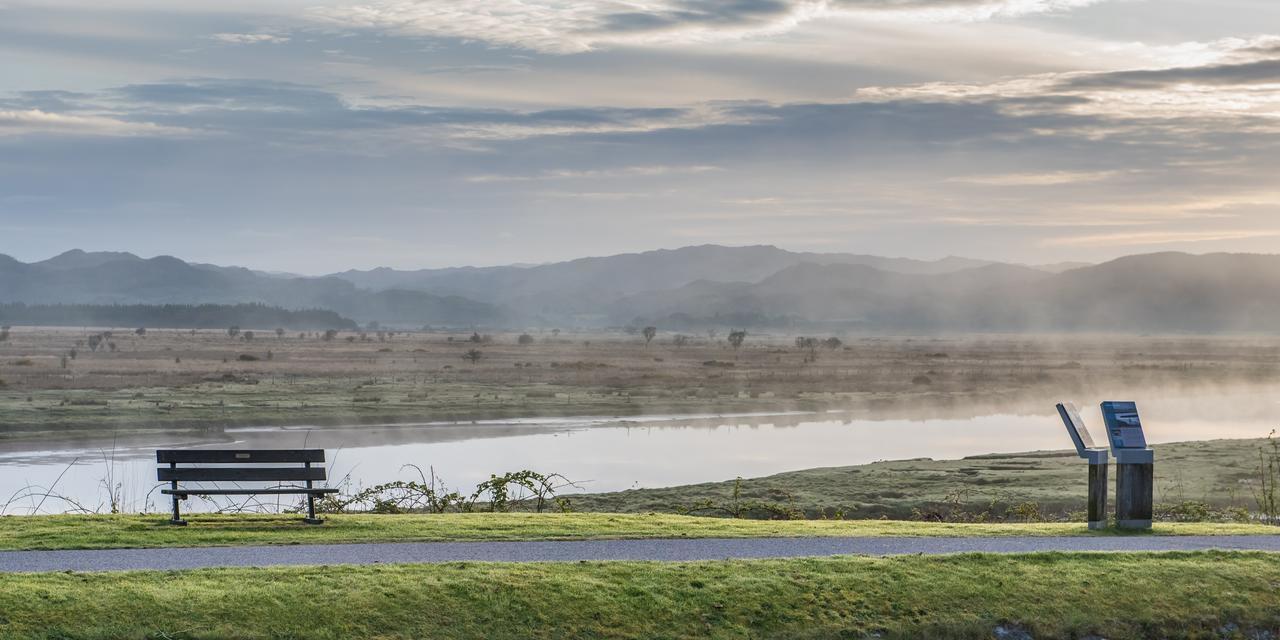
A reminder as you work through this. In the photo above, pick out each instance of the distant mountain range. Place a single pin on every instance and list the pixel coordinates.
(1165, 292)
(123, 278)
(695, 287)
(582, 291)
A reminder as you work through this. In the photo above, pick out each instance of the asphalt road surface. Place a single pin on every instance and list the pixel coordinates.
(593, 550)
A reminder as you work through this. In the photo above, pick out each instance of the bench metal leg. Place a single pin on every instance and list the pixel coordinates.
(176, 519)
(311, 511)
(311, 505)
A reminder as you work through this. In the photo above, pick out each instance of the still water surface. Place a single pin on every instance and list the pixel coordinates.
(604, 453)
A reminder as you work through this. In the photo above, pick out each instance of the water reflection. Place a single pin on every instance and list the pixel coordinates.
(606, 453)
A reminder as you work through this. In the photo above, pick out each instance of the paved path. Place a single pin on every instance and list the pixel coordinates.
(662, 550)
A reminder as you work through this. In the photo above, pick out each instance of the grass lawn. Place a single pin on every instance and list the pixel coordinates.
(1116, 596)
(133, 531)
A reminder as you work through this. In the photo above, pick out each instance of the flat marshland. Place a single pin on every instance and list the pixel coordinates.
(179, 379)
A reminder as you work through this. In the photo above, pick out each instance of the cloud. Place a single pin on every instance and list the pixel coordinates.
(1244, 91)
(311, 117)
(1050, 178)
(620, 172)
(1148, 238)
(978, 160)
(232, 94)
(249, 38)
(723, 13)
(962, 10)
(552, 26)
(1248, 73)
(37, 121)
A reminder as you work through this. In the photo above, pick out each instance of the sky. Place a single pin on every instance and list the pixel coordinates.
(314, 136)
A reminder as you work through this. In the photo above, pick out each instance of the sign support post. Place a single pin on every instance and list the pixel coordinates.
(1135, 465)
(1098, 461)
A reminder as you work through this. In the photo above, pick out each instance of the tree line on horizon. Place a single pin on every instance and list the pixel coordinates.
(173, 316)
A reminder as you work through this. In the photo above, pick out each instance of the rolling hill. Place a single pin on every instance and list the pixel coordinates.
(1165, 292)
(122, 278)
(693, 287)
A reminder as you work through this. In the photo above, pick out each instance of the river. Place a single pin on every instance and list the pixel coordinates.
(601, 453)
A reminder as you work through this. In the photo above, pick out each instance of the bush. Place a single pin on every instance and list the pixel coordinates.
(922, 380)
(245, 357)
(517, 491)
(525, 339)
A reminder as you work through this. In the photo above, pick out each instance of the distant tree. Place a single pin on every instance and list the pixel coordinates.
(832, 343)
(351, 339)
(808, 344)
(233, 330)
(4, 334)
(64, 362)
(95, 341)
(73, 353)
(736, 338)
(141, 332)
(555, 332)
(270, 356)
(711, 334)
(279, 332)
(649, 333)
(111, 346)
(804, 342)
(475, 337)
(248, 336)
(525, 339)
(302, 335)
(680, 340)
(473, 355)
(330, 334)
(107, 334)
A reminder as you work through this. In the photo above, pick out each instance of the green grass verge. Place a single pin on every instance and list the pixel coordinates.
(1116, 596)
(1217, 474)
(134, 531)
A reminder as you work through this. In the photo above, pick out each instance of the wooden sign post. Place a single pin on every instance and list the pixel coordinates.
(1098, 460)
(1135, 465)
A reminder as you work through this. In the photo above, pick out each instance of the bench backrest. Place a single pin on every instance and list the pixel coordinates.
(174, 457)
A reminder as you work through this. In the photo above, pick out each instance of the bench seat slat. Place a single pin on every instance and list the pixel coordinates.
(240, 474)
(247, 492)
(233, 456)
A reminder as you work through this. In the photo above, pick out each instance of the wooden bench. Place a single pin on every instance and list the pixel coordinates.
(250, 467)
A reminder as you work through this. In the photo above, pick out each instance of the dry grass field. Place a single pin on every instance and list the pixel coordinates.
(183, 379)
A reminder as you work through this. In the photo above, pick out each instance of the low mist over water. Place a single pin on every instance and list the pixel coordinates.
(605, 454)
